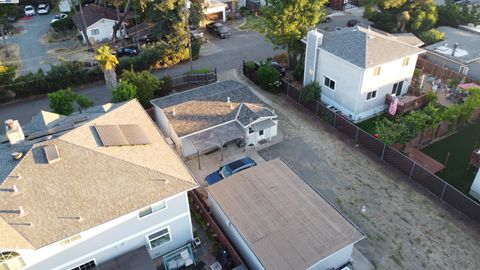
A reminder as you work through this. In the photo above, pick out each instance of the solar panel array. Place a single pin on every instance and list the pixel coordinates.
(51, 153)
(121, 135)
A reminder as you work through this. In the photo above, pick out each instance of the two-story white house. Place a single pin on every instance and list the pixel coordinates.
(78, 191)
(357, 67)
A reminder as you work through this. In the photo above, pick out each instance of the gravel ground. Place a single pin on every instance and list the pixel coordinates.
(406, 227)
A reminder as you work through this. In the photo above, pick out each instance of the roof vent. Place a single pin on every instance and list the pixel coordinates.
(17, 155)
(14, 131)
(173, 112)
(21, 211)
(51, 153)
(15, 189)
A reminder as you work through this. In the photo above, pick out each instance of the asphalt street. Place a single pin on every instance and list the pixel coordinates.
(223, 54)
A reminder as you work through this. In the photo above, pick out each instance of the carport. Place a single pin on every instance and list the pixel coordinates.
(214, 138)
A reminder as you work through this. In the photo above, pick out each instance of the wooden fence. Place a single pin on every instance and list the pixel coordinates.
(440, 72)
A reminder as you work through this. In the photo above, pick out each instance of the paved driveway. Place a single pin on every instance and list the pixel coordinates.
(33, 51)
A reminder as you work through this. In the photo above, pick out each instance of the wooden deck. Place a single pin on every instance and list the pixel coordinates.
(425, 160)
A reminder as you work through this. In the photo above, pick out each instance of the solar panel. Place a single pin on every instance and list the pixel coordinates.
(51, 152)
(134, 134)
(111, 135)
(120, 135)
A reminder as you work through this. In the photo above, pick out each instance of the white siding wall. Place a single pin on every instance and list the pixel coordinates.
(118, 236)
(335, 260)
(105, 29)
(167, 129)
(233, 235)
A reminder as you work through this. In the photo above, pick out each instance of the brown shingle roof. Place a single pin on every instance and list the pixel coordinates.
(90, 181)
(284, 221)
(93, 14)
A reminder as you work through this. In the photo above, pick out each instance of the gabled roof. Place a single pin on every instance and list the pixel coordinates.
(366, 48)
(285, 223)
(90, 184)
(94, 13)
(206, 107)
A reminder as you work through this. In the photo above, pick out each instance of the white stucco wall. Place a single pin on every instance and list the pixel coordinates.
(241, 246)
(105, 29)
(335, 260)
(117, 237)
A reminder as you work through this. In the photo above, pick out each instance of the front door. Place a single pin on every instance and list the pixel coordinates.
(397, 88)
(261, 135)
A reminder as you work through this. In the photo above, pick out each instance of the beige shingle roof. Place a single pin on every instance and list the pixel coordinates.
(90, 181)
(284, 221)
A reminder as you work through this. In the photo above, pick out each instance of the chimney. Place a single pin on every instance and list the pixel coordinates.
(21, 212)
(455, 46)
(314, 40)
(229, 103)
(14, 131)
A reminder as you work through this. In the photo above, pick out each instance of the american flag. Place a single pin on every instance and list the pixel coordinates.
(393, 106)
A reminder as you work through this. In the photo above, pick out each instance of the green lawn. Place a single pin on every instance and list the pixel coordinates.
(460, 147)
(254, 23)
(369, 124)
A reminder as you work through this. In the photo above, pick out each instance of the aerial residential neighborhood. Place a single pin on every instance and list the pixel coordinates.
(219, 134)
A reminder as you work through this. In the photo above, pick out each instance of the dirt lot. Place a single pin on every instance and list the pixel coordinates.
(406, 227)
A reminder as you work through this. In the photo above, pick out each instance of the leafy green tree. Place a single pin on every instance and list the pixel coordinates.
(310, 92)
(392, 131)
(431, 36)
(7, 74)
(83, 102)
(452, 14)
(61, 101)
(197, 12)
(6, 10)
(63, 25)
(145, 83)
(268, 78)
(124, 91)
(288, 21)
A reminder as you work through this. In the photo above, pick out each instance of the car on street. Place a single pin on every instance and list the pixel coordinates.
(148, 38)
(219, 29)
(58, 17)
(29, 10)
(43, 9)
(127, 51)
(229, 169)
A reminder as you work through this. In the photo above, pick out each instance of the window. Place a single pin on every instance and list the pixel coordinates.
(397, 88)
(152, 209)
(69, 240)
(86, 266)
(11, 260)
(329, 83)
(405, 61)
(376, 71)
(159, 238)
(261, 132)
(371, 94)
(94, 31)
(250, 130)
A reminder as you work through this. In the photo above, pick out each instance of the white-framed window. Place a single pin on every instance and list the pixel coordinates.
(371, 94)
(159, 238)
(261, 132)
(250, 130)
(376, 71)
(405, 61)
(397, 88)
(95, 32)
(70, 240)
(463, 70)
(329, 83)
(11, 260)
(86, 266)
(152, 209)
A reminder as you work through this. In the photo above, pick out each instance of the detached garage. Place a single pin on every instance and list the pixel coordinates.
(216, 11)
(277, 221)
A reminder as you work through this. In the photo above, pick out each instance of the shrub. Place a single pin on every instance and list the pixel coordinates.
(370, 12)
(310, 92)
(230, 17)
(66, 74)
(197, 71)
(244, 11)
(268, 78)
(298, 72)
(61, 101)
(7, 73)
(124, 91)
(83, 102)
(196, 45)
(250, 67)
(63, 25)
(431, 36)
(146, 85)
(147, 59)
(166, 86)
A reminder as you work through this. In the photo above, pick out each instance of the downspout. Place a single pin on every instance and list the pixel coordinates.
(358, 94)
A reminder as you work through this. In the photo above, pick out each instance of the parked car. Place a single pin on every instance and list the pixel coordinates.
(148, 38)
(352, 23)
(229, 169)
(29, 10)
(195, 34)
(58, 17)
(219, 29)
(127, 51)
(43, 9)
(327, 18)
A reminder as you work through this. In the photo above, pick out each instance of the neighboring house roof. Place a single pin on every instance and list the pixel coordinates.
(94, 13)
(365, 47)
(90, 184)
(205, 107)
(468, 49)
(281, 218)
(140, 30)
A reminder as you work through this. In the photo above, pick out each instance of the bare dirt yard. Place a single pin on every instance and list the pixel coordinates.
(406, 227)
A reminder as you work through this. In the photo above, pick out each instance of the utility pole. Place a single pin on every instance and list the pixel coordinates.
(187, 10)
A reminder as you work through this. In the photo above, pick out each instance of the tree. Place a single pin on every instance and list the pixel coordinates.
(83, 102)
(83, 24)
(107, 63)
(402, 20)
(7, 74)
(61, 101)
(310, 92)
(6, 10)
(124, 91)
(197, 12)
(268, 78)
(288, 21)
(120, 19)
(145, 83)
(452, 14)
(431, 36)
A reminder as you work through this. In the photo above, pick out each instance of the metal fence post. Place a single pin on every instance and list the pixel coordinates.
(356, 137)
(411, 171)
(383, 152)
(444, 187)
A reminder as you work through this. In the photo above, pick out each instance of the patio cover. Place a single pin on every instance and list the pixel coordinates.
(263, 125)
(215, 137)
(137, 259)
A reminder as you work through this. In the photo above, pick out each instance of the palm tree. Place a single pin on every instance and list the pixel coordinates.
(108, 62)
